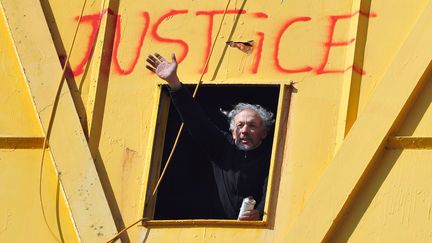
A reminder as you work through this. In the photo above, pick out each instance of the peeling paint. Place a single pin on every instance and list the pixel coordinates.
(244, 46)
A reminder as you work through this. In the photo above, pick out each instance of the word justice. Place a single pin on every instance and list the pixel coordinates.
(151, 29)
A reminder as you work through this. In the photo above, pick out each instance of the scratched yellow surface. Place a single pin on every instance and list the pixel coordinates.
(342, 56)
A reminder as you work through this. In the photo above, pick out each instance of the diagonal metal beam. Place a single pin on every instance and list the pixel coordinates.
(366, 139)
(68, 146)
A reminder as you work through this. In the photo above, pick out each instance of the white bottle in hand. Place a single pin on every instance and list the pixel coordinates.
(247, 204)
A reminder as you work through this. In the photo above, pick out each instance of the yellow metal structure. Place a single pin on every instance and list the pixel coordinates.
(352, 151)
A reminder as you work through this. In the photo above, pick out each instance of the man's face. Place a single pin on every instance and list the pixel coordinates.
(249, 130)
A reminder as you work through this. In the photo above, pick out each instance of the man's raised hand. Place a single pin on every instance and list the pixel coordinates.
(163, 69)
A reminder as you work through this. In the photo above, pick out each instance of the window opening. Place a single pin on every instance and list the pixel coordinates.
(188, 190)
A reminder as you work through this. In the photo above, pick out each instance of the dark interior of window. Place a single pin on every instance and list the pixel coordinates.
(188, 189)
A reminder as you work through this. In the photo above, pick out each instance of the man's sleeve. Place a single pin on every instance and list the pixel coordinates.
(202, 130)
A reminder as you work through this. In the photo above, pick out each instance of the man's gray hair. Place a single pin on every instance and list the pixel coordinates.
(266, 116)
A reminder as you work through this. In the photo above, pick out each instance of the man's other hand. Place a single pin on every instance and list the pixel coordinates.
(250, 215)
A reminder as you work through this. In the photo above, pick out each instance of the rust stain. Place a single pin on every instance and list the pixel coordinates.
(127, 171)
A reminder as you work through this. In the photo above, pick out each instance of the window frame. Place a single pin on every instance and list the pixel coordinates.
(153, 163)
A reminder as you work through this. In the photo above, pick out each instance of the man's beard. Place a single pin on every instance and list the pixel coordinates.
(245, 147)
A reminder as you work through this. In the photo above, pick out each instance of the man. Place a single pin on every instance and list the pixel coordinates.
(239, 160)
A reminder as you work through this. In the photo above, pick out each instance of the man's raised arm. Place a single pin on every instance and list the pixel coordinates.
(203, 130)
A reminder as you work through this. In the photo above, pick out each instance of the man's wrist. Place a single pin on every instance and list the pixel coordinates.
(174, 84)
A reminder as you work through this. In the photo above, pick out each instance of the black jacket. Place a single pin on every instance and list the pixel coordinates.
(237, 173)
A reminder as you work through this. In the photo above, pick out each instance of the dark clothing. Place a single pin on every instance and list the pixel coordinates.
(237, 173)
